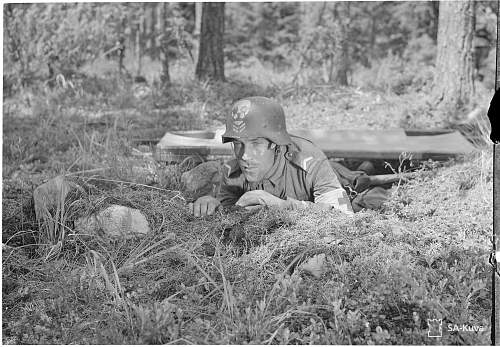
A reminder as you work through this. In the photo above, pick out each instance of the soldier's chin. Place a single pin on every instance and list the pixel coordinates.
(251, 175)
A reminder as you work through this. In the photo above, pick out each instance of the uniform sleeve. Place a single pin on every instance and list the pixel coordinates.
(231, 190)
(327, 188)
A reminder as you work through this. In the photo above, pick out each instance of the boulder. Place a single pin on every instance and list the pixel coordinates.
(115, 221)
(204, 179)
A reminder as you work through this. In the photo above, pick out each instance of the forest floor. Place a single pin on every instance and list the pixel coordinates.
(425, 256)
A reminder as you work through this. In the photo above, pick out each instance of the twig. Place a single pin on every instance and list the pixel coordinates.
(269, 340)
(85, 171)
(134, 184)
(15, 235)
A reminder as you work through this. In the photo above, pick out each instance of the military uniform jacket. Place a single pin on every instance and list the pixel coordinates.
(301, 174)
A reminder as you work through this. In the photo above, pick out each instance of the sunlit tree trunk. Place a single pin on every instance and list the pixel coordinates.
(453, 79)
(211, 49)
(163, 19)
(341, 62)
(197, 17)
(435, 18)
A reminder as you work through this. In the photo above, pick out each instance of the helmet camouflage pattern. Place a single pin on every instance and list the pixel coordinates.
(257, 116)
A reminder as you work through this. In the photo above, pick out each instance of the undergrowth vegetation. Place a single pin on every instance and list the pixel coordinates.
(235, 277)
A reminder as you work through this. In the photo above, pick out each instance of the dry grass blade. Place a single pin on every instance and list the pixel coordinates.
(270, 340)
(51, 210)
(294, 261)
(129, 265)
(19, 233)
(75, 173)
(228, 296)
(195, 260)
(114, 287)
(54, 250)
(168, 237)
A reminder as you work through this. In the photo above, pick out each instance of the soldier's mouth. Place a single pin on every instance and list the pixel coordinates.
(249, 171)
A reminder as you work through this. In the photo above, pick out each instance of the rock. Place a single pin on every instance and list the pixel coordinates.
(51, 196)
(315, 266)
(204, 178)
(116, 222)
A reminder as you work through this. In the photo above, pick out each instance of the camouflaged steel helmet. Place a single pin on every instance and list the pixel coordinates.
(257, 116)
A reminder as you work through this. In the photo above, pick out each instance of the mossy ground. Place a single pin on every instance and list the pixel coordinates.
(233, 278)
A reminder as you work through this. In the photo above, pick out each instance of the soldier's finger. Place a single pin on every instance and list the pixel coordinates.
(246, 200)
(253, 207)
(211, 208)
(240, 202)
(203, 209)
(196, 209)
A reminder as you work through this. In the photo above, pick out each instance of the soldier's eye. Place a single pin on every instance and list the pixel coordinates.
(258, 142)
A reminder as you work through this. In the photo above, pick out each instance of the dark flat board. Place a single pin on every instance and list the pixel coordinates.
(363, 144)
(386, 144)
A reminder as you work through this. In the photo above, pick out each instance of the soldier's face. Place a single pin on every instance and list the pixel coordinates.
(255, 157)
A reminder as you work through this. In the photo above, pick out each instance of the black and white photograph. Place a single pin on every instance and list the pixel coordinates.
(233, 173)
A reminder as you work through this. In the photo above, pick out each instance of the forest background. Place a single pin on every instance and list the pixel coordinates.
(85, 83)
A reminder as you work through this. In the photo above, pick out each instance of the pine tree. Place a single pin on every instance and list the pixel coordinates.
(453, 80)
(211, 49)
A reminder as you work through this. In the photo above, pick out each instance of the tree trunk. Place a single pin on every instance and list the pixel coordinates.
(158, 29)
(147, 28)
(121, 43)
(453, 78)
(211, 48)
(165, 72)
(138, 50)
(341, 54)
(435, 19)
(197, 18)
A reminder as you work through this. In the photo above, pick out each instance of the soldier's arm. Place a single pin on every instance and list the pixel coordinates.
(231, 190)
(228, 195)
(327, 190)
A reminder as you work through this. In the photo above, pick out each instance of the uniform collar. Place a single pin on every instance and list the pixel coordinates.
(232, 166)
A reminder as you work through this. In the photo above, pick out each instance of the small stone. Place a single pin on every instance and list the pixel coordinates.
(315, 266)
(115, 221)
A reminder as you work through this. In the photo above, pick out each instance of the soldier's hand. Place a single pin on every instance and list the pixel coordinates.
(259, 198)
(204, 206)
